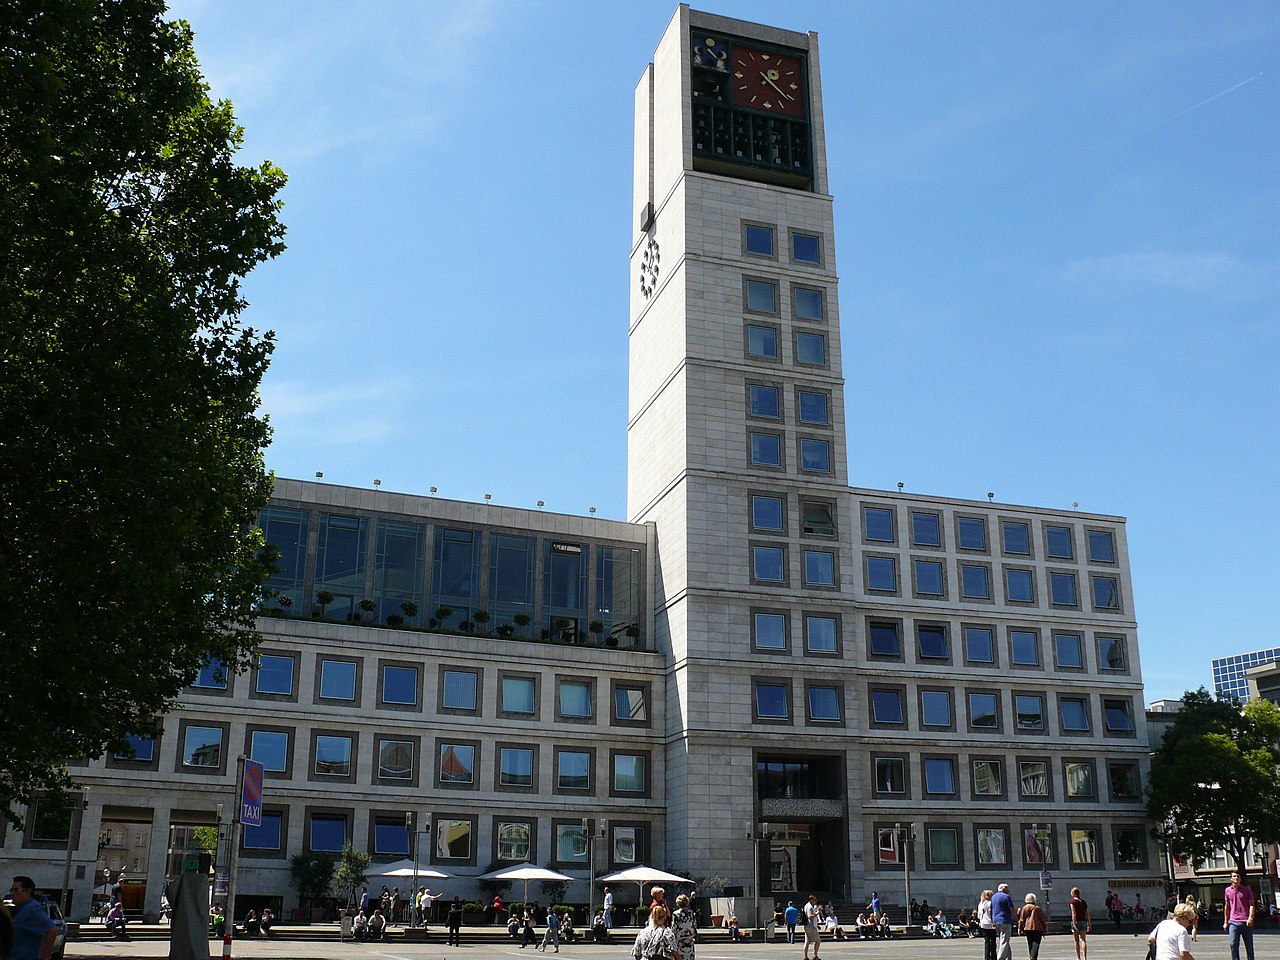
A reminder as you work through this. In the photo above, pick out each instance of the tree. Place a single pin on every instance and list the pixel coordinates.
(131, 467)
(352, 864)
(311, 874)
(1215, 778)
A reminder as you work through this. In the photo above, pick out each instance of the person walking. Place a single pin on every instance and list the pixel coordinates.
(552, 933)
(656, 941)
(1171, 938)
(1238, 916)
(526, 928)
(792, 917)
(812, 933)
(1195, 915)
(873, 907)
(1002, 919)
(1081, 923)
(1032, 924)
(33, 932)
(986, 926)
(454, 922)
(684, 924)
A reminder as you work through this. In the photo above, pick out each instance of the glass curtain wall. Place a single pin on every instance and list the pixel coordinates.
(455, 583)
(564, 595)
(399, 572)
(341, 559)
(618, 595)
(286, 531)
(511, 591)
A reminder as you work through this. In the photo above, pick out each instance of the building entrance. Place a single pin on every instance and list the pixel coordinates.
(804, 858)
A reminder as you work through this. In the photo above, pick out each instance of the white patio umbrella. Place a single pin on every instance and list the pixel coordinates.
(525, 872)
(641, 875)
(405, 868)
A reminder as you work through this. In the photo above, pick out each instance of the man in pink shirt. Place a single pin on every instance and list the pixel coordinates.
(1238, 916)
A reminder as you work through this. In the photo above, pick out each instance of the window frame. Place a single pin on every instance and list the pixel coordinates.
(1126, 705)
(276, 654)
(536, 679)
(1085, 701)
(436, 834)
(931, 562)
(893, 523)
(994, 693)
(757, 545)
(1043, 759)
(1023, 631)
(747, 281)
(1054, 576)
(901, 760)
(1103, 665)
(837, 630)
(998, 762)
(747, 226)
(993, 637)
(645, 689)
(796, 315)
(941, 827)
(961, 547)
(921, 657)
(770, 495)
(756, 612)
(558, 787)
(950, 695)
(290, 735)
(821, 337)
(311, 814)
(774, 328)
(449, 740)
(891, 559)
(962, 567)
(1087, 763)
(880, 623)
(1043, 729)
(833, 512)
(1005, 551)
(810, 719)
(1048, 541)
(979, 862)
(1096, 830)
(811, 552)
(649, 773)
(500, 749)
(925, 792)
(314, 775)
(1136, 778)
(916, 542)
(772, 682)
(792, 234)
(1090, 534)
(826, 444)
(751, 387)
(1144, 845)
(415, 746)
(800, 391)
(1030, 573)
(356, 681)
(1058, 635)
(383, 703)
(590, 683)
(775, 435)
(1094, 579)
(477, 674)
(214, 770)
(896, 689)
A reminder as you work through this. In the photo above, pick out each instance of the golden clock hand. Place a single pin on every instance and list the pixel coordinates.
(770, 82)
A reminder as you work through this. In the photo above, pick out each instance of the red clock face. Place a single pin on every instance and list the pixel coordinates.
(772, 82)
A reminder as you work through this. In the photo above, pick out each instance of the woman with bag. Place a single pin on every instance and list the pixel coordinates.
(987, 926)
(1033, 924)
(656, 941)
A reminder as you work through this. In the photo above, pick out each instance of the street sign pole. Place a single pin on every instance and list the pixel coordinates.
(248, 813)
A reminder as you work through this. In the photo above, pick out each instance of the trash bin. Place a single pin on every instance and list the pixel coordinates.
(344, 927)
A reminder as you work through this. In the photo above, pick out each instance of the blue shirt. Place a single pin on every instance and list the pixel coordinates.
(793, 916)
(1002, 908)
(875, 904)
(30, 924)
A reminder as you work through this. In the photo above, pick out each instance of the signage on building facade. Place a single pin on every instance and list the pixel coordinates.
(251, 793)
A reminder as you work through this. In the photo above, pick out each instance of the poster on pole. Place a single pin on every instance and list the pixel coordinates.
(251, 793)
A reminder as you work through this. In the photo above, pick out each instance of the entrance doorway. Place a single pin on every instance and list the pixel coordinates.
(806, 858)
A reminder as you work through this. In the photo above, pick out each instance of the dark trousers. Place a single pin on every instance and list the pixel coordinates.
(791, 933)
(1033, 943)
(988, 943)
(455, 938)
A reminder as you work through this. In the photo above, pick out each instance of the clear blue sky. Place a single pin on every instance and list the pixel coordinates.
(1057, 234)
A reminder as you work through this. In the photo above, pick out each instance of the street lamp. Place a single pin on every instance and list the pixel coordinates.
(1043, 834)
(905, 836)
(73, 838)
(413, 848)
(592, 836)
(757, 834)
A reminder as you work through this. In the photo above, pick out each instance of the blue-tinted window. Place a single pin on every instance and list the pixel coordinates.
(771, 701)
(984, 710)
(819, 568)
(456, 575)
(630, 773)
(824, 703)
(885, 641)
(395, 759)
(926, 529)
(460, 690)
(518, 695)
(822, 634)
(337, 680)
(457, 763)
(1025, 648)
(975, 582)
(1017, 536)
(805, 248)
(1074, 714)
(815, 455)
(766, 449)
(270, 748)
(333, 756)
(929, 577)
(1019, 587)
(574, 770)
(630, 704)
(932, 643)
(973, 533)
(764, 401)
(275, 674)
(516, 767)
(762, 297)
(979, 645)
(1059, 545)
(882, 573)
(564, 577)
(1111, 653)
(771, 631)
(758, 239)
(202, 747)
(141, 749)
(212, 675)
(343, 546)
(811, 348)
(575, 698)
(808, 303)
(328, 834)
(766, 513)
(1106, 593)
(511, 563)
(1118, 715)
(265, 837)
(814, 408)
(400, 685)
(1102, 546)
(768, 563)
(399, 566)
(886, 706)
(762, 342)
(1062, 589)
(879, 524)
(390, 837)
(935, 708)
(939, 776)
(1029, 710)
(1070, 649)
(286, 531)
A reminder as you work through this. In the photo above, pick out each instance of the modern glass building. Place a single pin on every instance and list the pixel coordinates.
(1229, 678)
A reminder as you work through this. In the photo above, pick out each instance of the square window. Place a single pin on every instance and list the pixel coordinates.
(879, 524)
(1019, 587)
(460, 690)
(988, 778)
(328, 834)
(1062, 589)
(275, 675)
(1029, 710)
(453, 839)
(1037, 849)
(762, 296)
(757, 239)
(271, 749)
(770, 631)
(819, 518)
(1117, 714)
(630, 704)
(1079, 780)
(141, 749)
(457, 763)
(575, 699)
(573, 770)
(202, 747)
(772, 701)
(1017, 537)
(1069, 649)
(979, 645)
(400, 685)
(926, 529)
(929, 577)
(882, 574)
(824, 703)
(390, 837)
(935, 708)
(992, 845)
(571, 843)
(1131, 846)
(813, 407)
(766, 449)
(267, 836)
(815, 455)
(769, 564)
(337, 680)
(984, 711)
(939, 775)
(885, 641)
(1024, 648)
(1033, 777)
(762, 342)
(1073, 714)
(519, 695)
(973, 533)
(764, 401)
(630, 772)
(1059, 543)
(1124, 780)
(808, 303)
(333, 756)
(944, 846)
(821, 634)
(1102, 547)
(395, 760)
(766, 513)
(811, 348)
(212, 675)
(516, 767)
(932, 643)
(1085, 850)
(1106, 593)
(806, 248)
(515, 838)
(890, 774)
(1111, 653)
(886, 707)
(975, 582)
(819, 568)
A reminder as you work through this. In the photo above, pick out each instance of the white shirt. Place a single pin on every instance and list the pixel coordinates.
(608, 900)
(812, 913)
(1172, 938)
(984, 915)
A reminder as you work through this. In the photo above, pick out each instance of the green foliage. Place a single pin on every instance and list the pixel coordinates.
(712, 885)
(350, 871)
(473, 907)
(311, 874)
(207, 839)
(1215, 779)
(641, 915)
(553, 890)
(131, 467)
(491, 887)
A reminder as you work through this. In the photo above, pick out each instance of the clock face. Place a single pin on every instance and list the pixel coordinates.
(764, 80)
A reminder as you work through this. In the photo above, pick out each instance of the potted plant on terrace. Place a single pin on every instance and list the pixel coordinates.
(324, 598)
(596, 627)
(368, 606)
(481, 617)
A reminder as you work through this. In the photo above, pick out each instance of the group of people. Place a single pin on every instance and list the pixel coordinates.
(669, 935)
(998, 919)
(871, 924)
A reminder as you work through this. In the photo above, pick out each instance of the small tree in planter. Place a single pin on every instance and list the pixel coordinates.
(596, 627)
(350, 871)
(481, 617)
(504, 630)
(464, 626)
(632, 633)
(442, 615)
(522, 621)
(409, 609)
(324, 598)
(394, 620)
(311, 875)
(553, 890)
(472, 913)
(368, 605)
(285, 604)
(562, 625)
